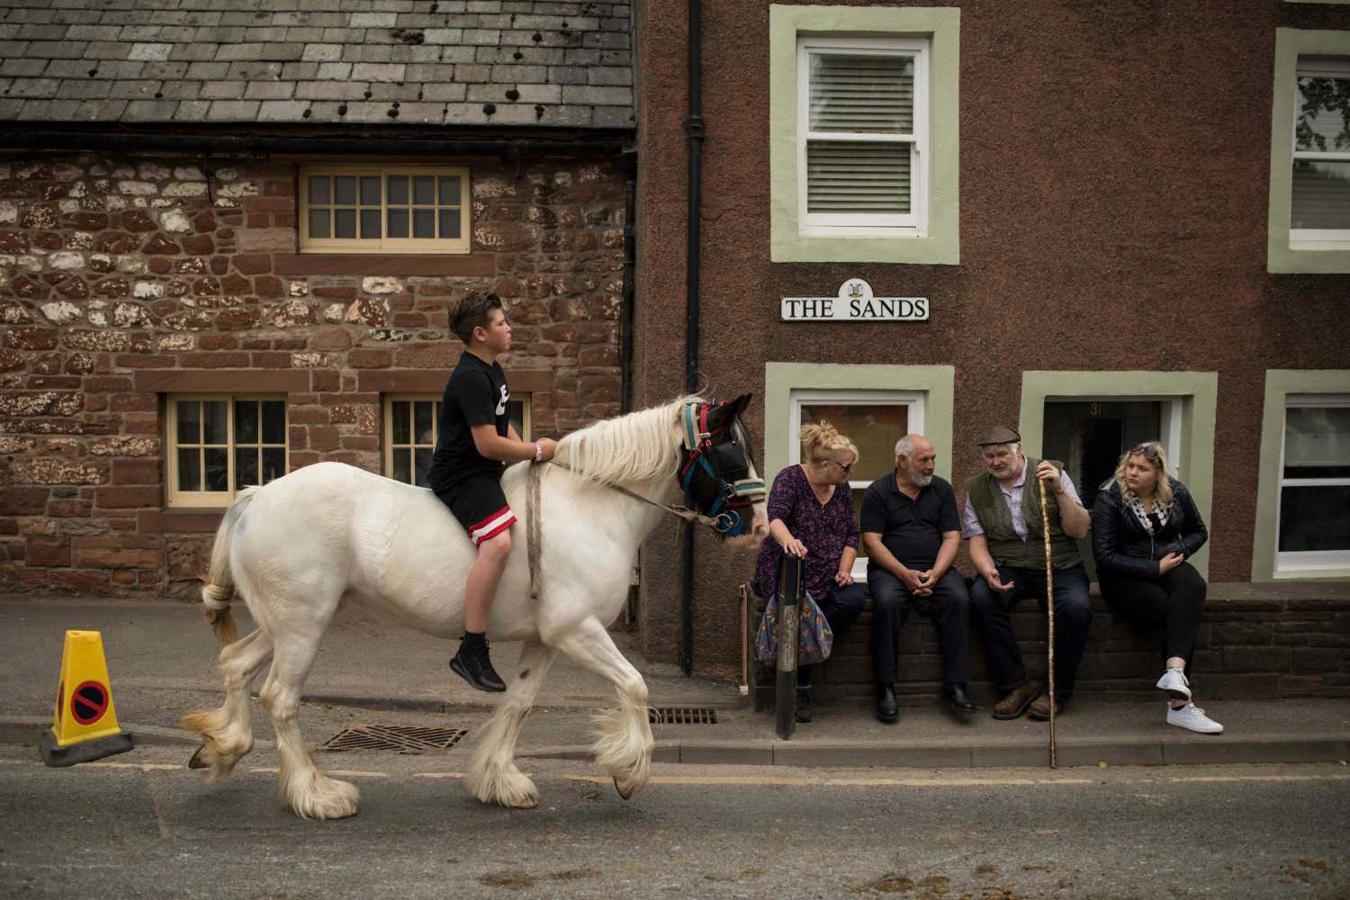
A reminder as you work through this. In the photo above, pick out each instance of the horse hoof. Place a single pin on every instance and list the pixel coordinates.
(196, 762)
(622, 793)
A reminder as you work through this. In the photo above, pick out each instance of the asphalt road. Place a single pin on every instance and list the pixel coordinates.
(141, 825)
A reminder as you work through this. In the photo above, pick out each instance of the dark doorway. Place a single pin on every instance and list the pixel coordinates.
(1089, 436)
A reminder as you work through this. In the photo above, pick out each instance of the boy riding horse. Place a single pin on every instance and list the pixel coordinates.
(476, 441)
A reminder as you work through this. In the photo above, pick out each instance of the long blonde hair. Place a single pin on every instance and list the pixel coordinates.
(1154, 454)
(820, 443)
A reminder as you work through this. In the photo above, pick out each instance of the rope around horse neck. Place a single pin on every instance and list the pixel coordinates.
(534, 526)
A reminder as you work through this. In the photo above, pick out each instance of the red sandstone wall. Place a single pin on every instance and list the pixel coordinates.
(122, 279)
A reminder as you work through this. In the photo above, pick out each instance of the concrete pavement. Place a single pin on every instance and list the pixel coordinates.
(161, 661)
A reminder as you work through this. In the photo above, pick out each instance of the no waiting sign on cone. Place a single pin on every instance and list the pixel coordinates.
(84, 720)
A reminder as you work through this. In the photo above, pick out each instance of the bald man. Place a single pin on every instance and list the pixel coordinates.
(911, 533)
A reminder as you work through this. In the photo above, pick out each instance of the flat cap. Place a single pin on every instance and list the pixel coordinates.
(999, 434)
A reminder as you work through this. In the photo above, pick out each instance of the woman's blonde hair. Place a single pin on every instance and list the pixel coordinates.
(820, 443)
(1156, 456)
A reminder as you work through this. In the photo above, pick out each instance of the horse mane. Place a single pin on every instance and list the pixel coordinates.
(636, 447)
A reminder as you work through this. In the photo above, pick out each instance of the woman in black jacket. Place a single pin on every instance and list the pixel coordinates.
(1144, 527)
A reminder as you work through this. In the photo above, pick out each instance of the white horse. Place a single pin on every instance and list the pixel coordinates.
(298, 547)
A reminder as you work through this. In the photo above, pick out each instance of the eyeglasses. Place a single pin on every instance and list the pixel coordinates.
(1148, 450)
(846, 468)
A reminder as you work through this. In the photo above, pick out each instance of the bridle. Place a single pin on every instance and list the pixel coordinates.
(714, 470)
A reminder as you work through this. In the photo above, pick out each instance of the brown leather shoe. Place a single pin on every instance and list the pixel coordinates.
(1040, 708)
(1015, 704)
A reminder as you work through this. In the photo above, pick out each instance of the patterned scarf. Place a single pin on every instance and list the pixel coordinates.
(1137, 507)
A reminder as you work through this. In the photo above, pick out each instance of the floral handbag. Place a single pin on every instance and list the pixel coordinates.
(815, 638)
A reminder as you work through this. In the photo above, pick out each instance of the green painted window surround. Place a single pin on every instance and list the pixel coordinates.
(1280, 383)
(936, 383)
(1290, 43)
(941, 26)
(1198, 391)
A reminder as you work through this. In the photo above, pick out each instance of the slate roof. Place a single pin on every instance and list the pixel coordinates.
(438, 62)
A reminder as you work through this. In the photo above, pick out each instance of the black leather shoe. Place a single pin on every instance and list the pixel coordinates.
(803, 711)
(475, 667)
(888, 709)
(959, 700)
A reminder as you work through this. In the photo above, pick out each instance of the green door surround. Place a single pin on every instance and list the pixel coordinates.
(1197, 391)
(936, 383)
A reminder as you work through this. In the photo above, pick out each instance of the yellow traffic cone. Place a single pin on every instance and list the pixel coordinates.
(84, 723)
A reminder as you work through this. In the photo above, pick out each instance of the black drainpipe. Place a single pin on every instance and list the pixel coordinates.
(693, 127)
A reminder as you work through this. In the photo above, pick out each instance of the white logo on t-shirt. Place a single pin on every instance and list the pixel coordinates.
(501, 407)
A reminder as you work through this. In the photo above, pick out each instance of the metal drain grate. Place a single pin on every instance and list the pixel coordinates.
(399, 738)
(681, 715)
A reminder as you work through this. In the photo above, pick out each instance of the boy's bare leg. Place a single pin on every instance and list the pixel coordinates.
(472, 662)
(484, 576)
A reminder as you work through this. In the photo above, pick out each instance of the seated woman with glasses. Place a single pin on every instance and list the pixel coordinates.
(811, 516)
(1144, 527)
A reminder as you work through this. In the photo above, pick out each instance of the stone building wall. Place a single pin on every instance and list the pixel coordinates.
(123, 280)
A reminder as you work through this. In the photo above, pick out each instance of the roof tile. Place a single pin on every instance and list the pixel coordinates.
(532, 62)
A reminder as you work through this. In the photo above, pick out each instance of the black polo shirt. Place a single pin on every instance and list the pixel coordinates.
(910, 529)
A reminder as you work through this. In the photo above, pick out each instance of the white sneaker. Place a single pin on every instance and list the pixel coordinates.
(1193, 718)
(1175, 683)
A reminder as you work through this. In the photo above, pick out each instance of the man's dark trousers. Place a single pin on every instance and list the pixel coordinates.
(949, 607)
(992, 614)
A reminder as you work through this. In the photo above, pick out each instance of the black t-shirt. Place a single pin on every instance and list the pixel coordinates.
(910, 529)
(476, 394)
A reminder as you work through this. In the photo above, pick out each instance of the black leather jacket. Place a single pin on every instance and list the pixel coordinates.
(1122, 545)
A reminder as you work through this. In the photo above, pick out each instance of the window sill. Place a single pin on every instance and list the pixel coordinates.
(177, 520)
(377, 251)
(895, 247)
(397, 264)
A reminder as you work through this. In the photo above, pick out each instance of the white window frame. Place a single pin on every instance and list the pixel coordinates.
(387, 441)
(386, 244)
(798, 397)
(213, 499)
(1316, 238)
(915, 224)
(1306, 562)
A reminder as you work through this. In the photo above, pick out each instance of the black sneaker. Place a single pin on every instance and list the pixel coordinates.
(475, 667)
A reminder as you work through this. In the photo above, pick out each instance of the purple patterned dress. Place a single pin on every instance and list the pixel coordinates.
(826, 529)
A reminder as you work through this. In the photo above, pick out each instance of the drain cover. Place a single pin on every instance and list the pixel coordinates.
(399, 738)
(681, 715)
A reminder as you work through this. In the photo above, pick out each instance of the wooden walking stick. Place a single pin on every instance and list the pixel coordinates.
(1050, 617)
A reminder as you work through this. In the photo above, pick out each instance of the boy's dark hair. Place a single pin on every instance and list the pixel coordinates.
(473, 312)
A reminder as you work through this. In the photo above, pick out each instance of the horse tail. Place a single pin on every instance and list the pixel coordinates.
(219, 583)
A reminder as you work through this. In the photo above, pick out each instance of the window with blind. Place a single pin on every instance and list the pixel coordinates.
(862, 135)
(219, 445)
(390, 209)
(1320, 201)
(411, 428)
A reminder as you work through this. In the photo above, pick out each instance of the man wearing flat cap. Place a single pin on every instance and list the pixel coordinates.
(1002, 521)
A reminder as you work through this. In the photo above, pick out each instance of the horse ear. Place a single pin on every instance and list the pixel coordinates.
(727, 412)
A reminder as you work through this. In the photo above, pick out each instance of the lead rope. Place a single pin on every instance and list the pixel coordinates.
(532, 504)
